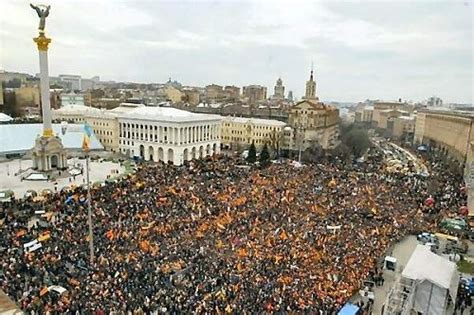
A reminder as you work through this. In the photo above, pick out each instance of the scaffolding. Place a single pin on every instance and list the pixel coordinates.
(400, 299)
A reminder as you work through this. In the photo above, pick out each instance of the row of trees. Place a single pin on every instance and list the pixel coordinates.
(264, 158)
(354, 143)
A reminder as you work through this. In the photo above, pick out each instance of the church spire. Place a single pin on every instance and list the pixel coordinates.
(311, 86)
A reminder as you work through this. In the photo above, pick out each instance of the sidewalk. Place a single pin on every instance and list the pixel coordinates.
(9, 181)
(7, 306)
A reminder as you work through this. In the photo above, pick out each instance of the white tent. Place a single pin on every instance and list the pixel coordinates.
(435, 277)
(5, 117)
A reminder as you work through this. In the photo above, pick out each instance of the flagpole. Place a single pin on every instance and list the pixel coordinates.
(89, 211)
(85, 147)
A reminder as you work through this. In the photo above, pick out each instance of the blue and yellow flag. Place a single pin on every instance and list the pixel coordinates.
(88, 129)
(86, 138)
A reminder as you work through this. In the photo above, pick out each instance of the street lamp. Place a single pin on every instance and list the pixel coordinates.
(299, 137)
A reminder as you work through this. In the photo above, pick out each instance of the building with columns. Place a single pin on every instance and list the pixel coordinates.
(104, 123)
(168, 134)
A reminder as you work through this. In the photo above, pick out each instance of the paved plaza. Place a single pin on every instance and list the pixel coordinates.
(10, 180)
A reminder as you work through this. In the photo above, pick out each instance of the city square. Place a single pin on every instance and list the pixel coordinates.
(213, 233)
(100, 171)
(350, 192)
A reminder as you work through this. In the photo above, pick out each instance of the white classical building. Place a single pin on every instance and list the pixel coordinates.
(168, 134)
(71, 99)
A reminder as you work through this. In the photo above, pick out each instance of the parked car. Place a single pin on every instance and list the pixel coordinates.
(427, 237)
(457, 247)
(468, 285)
(456, 224)
(6, 195)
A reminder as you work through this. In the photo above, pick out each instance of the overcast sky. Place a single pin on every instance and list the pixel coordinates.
(361, 49)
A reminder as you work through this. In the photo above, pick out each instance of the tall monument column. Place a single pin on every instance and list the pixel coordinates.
(48, 153)
(43, 42)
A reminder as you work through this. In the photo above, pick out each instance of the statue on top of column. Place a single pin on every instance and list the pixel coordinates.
(43, 12)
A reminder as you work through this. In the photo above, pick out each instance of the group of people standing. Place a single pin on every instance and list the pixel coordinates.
(213, 236)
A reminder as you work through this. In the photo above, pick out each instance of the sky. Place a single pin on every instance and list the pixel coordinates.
(360, 49)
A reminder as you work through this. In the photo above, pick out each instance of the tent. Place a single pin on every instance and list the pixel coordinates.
(435, 278)
(348, 309)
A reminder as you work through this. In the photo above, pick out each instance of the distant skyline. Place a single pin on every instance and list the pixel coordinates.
(365, 49)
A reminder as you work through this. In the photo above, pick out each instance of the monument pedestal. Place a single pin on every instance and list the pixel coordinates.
(49, 154)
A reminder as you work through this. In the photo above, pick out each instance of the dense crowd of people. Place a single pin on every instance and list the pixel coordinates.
(215, 237)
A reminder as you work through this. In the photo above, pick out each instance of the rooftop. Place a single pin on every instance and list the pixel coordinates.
(76, 110)
(125, 107)
(168, 114)
(255, 121)
(424, 265)
(393, 110)
(447, 112)
(406, 117)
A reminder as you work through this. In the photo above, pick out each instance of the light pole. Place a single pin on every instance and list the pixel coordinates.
(89, 211)
(300, 139)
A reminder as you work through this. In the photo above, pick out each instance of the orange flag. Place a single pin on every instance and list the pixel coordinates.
(110, 234)
(242, 252)
(44, 291)
(145, 246)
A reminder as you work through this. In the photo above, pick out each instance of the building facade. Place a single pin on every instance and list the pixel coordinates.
(104, 123)
(232, 93)
(364, 114)
(386, 114)
(435, 101)
(447, 130)
(290, 96)
(313, 122)
(1, 94)
(214, 93)
(310, 91)
(28, 96)
(72, 99)
(173, 94)
(72, 82)
(191, 96)
(74, 113)
(168, 134)
(279, 90)
(239, 133)
(419, 127)
(254, 93)
(380, 106)
(402, 127)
